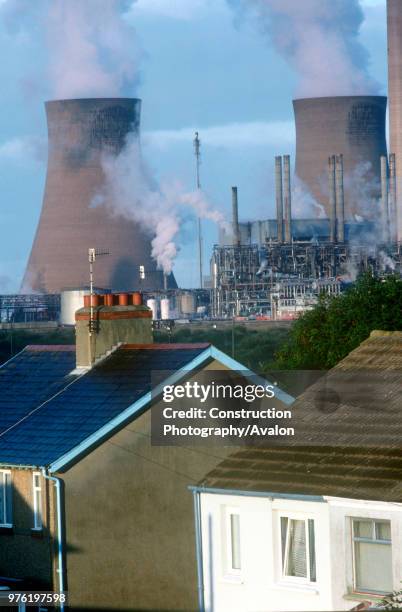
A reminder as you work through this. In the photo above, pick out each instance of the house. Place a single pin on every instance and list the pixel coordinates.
(315, 524)
(88, 504)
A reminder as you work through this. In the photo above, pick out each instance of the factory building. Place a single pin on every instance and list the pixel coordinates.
(277, 268)
(80, 133)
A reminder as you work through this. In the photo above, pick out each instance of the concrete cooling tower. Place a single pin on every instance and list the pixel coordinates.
(394, 23)
(80, 131)
(350, 125)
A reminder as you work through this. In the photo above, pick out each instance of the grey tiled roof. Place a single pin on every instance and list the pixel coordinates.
(79, 410)
(348, 440)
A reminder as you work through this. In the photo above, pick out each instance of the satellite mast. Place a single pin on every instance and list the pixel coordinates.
(197, 145)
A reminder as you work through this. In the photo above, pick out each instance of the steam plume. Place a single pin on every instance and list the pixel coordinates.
(320, 41)
(91, 45)
(131, 191)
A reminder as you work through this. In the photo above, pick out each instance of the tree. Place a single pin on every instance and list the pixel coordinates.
(323, 336)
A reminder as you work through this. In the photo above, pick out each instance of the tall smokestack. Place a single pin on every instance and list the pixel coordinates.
(235, 218)
(354, 125)
(392, 199)
(332, 198)
(287, 198)
(384, 200)
(81, 132)
(340, 198)
(394, 27)
(279, 197)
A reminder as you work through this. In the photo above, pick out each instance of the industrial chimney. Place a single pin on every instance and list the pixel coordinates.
(394, 26)
(353, 126)
(80, 132)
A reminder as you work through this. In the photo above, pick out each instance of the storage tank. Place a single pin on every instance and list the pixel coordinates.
(153, 305)
(187, 303)
(80, 133)
(72, 300)
(165, 308)
(353, 126)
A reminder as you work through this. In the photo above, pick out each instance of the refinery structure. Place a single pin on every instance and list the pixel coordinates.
(274, 268)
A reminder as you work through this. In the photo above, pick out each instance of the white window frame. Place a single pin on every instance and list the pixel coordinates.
(37, 502)
(7, 491)
(283, 555)
(355, 539)
(229, 569)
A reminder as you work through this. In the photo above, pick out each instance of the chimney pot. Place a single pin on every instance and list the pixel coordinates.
(123, 299)
(137, 298)
(108, 299)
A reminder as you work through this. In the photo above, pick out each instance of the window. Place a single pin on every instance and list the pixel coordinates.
(235, 541)
(298, 548)
(372, 555)
(37, 500)
(233, 551)
(6, 519)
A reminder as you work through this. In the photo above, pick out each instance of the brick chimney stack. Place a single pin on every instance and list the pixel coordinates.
(116, 319)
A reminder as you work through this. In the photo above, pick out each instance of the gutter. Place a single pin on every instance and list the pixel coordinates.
(198, 547)
(268, 494)
(60, 568)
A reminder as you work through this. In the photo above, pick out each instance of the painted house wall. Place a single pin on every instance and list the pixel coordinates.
(130, 523)
(259, 585)
(24, 552)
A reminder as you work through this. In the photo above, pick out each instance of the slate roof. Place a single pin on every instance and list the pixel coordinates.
(31, 377)
(348, 440)
(63, 410)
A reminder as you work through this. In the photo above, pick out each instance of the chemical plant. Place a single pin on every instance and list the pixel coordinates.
(270, 269)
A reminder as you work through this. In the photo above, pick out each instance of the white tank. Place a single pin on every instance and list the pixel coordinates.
(165, 308)
(153, 305)
(187, 303)
(71, 301)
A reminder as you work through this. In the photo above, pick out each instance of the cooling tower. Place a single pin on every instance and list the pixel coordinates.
(394, 23)
(350, 125)
(71, 221)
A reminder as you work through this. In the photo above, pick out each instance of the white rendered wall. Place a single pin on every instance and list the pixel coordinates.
(260, 586)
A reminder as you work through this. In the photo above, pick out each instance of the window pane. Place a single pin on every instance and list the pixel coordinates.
(383, 530)
(9, 499)
(363, 529)
(373, 567)
(235, 540)
(311, 547)
(297, 559)
(2, 517)
(284, 530)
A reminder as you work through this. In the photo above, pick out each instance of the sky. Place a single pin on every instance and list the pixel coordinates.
(202, 66)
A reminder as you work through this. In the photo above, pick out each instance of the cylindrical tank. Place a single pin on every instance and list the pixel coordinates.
(394, 23)
(71, 300)
(72, 220)
(353, 126)
(165, 308)
(187, 303)
(153, 305)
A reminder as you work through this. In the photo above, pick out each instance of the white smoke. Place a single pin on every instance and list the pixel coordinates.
(363, 189)
(386, 262)
(131, 191)
(304, 205)
(91, 45)
(320, 41)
